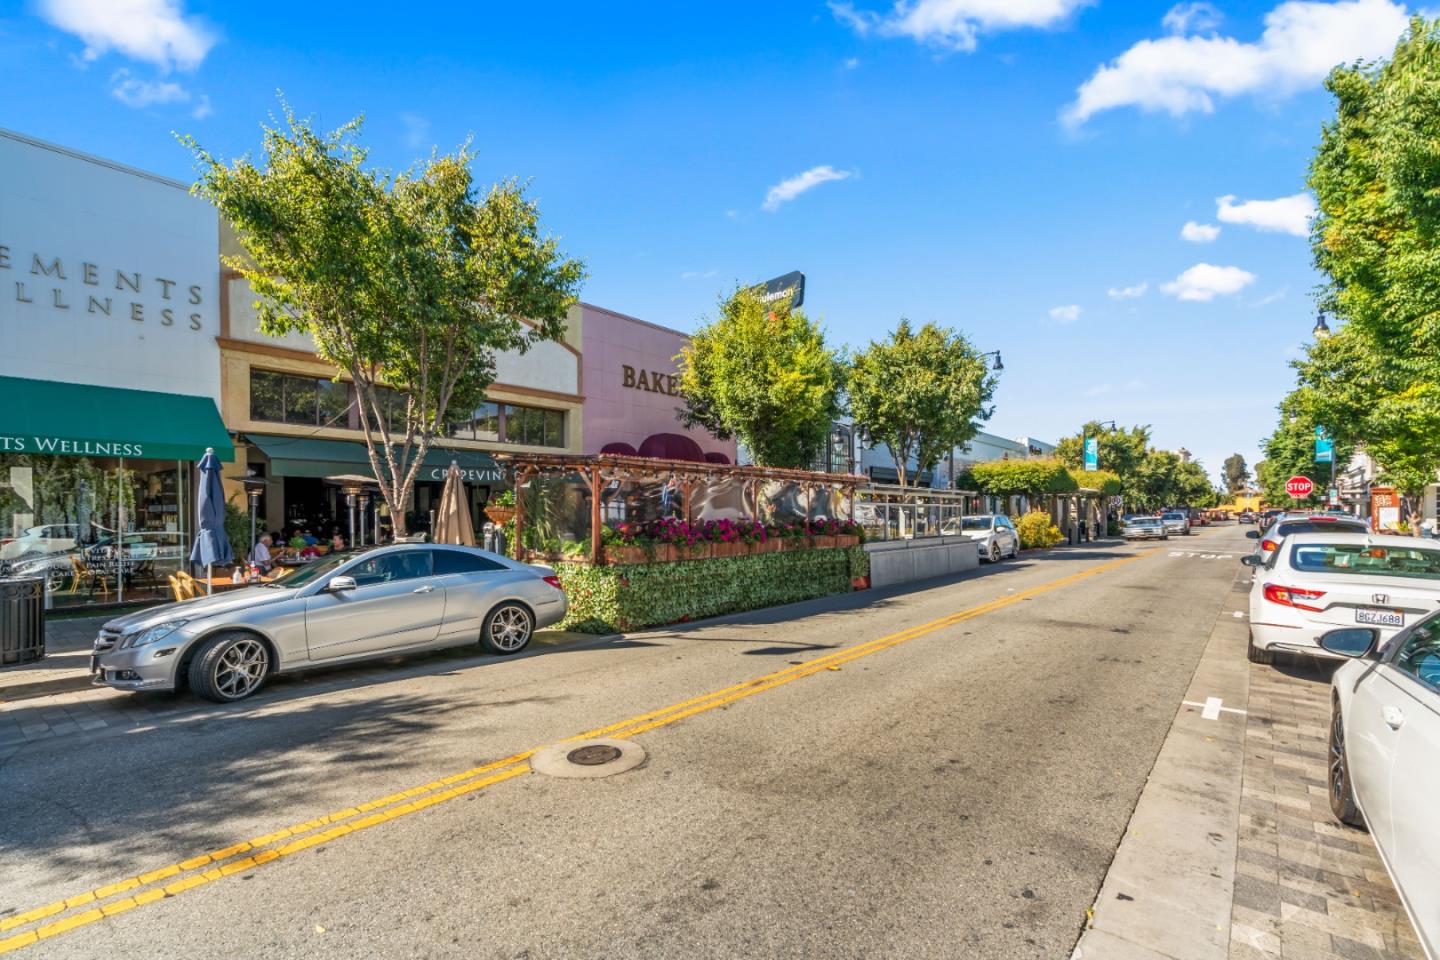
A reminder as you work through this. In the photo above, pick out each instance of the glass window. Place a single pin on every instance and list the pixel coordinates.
(300, 400)
(976, 523)
(486, 424)
(456, 561)
(334, 403)
(267, 396)
(534, 426)
(391, 567)
(554, 428)
(1366, 560)
(1419, 655)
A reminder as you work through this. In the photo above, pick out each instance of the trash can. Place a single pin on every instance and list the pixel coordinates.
(22, 620)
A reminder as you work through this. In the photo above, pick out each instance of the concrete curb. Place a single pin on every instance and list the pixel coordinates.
(1169, 890)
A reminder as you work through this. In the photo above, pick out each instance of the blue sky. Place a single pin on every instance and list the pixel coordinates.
(1019, 169)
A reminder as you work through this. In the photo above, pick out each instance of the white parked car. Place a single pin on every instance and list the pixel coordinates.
(994, 533)
(1385, 756)
(1317, 582)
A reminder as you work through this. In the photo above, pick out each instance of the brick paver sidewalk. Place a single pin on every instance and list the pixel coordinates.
(1306, 886)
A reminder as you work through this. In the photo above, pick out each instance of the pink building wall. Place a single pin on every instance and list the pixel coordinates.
(615, 412)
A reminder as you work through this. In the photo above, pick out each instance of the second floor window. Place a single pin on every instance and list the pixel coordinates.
(285, 398)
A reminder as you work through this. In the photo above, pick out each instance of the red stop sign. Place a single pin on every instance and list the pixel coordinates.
(1299, 487)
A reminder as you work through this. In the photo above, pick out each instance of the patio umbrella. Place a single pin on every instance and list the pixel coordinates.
(211, 546)
(453, 523)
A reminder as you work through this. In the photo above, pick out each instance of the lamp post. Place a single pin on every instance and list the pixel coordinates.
(998, 365)
(1321, 330)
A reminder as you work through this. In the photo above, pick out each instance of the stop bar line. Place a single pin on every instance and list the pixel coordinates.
(1211, 708)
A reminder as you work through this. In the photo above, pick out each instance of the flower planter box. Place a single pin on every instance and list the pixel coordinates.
(500, 515)
(847, 540)
(824, 542)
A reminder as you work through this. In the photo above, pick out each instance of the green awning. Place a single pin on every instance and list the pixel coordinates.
(312, 457)
(78, 420)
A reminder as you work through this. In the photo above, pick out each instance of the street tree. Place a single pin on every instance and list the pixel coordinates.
(1122, 450)
(1237, 474)
(762, 374)
(1376, 382)
(922, 393)
(1290, 450)
(1033, 478)
(408, 282)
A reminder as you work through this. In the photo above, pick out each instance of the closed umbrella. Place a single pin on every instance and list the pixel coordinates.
(453, 523)
(211, 545)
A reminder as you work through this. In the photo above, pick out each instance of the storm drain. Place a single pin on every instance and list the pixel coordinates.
(589, 760)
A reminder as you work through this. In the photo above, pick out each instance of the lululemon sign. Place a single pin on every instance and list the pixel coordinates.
(1299, 487)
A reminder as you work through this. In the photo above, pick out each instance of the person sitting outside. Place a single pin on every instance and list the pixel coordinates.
(337, 542)
(260, 555)
(296, 542)
(309, 538)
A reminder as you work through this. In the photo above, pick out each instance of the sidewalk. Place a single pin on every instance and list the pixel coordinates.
(1232, 852)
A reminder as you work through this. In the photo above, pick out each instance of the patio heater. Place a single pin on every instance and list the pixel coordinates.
(364, 510)
(352, 494)
(254, 487)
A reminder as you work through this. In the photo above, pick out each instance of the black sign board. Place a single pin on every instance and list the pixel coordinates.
(792, 285)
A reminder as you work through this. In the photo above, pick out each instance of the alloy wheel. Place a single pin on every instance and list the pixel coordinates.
(240, 669)
(1337, 760)
(510, 629)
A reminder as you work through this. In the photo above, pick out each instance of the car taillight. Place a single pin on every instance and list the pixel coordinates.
(555, 582)
(1291, 597)
(1267, 545)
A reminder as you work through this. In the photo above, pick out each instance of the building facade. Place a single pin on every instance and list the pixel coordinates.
(109, 371)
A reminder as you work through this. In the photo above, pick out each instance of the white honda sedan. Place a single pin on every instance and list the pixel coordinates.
(1317, 582)
(1385, 756)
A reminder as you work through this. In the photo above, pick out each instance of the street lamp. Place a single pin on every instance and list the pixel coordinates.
(1322, 329)
(997, 365)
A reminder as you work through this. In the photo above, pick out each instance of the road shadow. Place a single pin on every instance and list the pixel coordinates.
(117, 805)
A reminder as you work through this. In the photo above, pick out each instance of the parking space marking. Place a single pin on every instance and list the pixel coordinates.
(1191, 555)
(1212, 708)
(305, 835)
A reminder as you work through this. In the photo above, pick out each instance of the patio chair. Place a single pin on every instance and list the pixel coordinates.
(188, 585)
(82, 572)
(177, 589)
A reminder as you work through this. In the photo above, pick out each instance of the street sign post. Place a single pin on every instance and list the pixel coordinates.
(1092, 453)
(1324, 447)
(1299, 487)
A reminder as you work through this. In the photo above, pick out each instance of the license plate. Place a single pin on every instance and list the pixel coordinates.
(1380, 618)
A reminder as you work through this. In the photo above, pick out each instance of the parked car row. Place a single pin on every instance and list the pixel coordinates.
(1326, 586)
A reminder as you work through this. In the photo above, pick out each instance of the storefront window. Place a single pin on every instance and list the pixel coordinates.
(100, 531)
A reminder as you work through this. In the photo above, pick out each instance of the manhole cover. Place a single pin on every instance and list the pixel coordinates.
(593, 755)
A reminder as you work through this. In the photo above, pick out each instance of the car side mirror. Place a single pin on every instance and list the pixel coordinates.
(1250, 560)
(1253, 534)
(1351, 641)
(340, 584)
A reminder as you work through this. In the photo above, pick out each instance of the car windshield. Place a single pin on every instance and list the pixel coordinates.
(1144, 522)
(976, 523)
(1174, 516)
(314, 570)
(1367, 560)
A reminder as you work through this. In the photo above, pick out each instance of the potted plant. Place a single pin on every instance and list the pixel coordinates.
(501, 510)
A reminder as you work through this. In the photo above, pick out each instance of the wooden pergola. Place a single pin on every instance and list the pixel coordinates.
(597, 471)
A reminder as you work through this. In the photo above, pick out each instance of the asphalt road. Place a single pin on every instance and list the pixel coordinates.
(956, 788)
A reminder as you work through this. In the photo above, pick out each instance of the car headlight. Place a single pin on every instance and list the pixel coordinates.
(151, 634)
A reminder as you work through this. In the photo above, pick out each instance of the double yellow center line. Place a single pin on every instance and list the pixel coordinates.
(137, 891)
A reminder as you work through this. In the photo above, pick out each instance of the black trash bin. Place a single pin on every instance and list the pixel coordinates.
(22, 620)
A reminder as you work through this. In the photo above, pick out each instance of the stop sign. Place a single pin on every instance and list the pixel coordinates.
(1299, 487)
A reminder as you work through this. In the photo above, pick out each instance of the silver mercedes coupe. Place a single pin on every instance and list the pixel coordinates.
(347, 606)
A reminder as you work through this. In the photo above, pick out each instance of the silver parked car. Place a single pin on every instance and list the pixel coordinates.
(347, 606)
(1144, 528)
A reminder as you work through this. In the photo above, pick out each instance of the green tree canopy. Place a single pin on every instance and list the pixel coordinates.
(1290, 451)
(1376, 180)
(1003, 478)
(1237, 474)
(403, 280)
(1102, 480)
(1122, 451)
(764, 376)
(922, 393)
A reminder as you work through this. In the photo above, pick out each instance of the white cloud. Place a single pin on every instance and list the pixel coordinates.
(1204, 282)
(1128, 293)
(732, 214)
(787, 190)
(850, 63)
(1192, 18)
(1290, 215)
(954, 24)
(1100, 389)
(152, 31)
(698, 274)
(1066, 314)
(417, 130)
(134, 92)
(202, 107)
(1199, 232)
(1275, 297)
(1301, 42)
